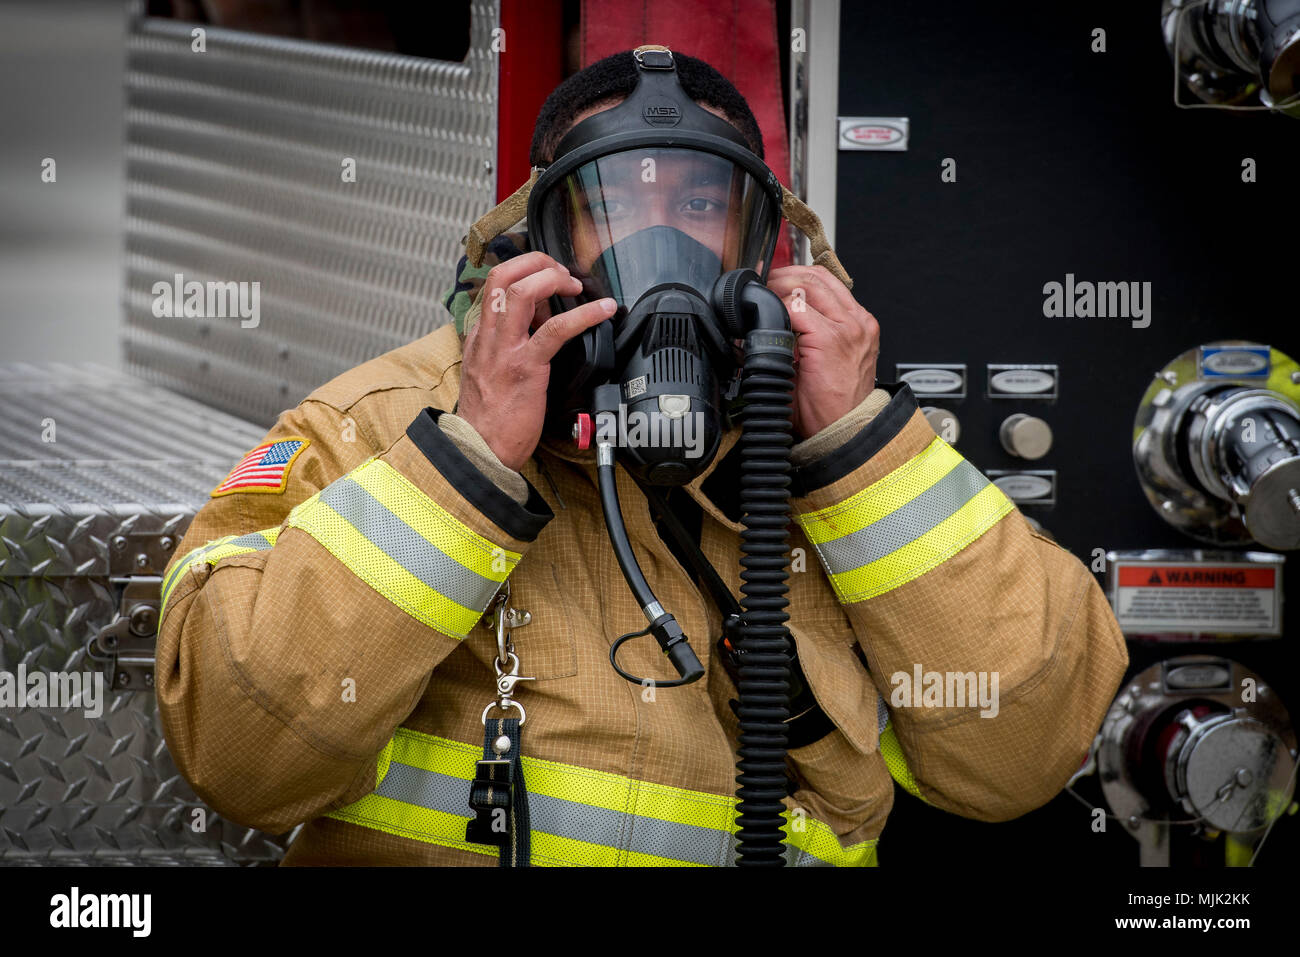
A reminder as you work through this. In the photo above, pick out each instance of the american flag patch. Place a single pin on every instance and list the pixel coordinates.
(265, 469)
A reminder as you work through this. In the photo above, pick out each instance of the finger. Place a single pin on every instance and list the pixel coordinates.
(517, 267)
(809, 323)
(793, 276)
(828, 281)
(502, 275)
(541, 313)
(558, 330)
(816, 277)
(522, 296)
(814, 290)
(820, 277)
(798, 288)
(470, 341)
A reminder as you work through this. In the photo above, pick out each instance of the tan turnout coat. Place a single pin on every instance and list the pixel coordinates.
(326, 647)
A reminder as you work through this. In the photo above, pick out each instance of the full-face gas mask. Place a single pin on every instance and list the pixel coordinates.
(652, 202)
(662, 206)
(655, 202)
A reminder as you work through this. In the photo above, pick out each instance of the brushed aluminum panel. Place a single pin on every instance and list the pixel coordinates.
(234, 163)
(126, 458)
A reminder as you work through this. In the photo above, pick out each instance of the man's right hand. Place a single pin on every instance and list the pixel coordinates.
(504, 369)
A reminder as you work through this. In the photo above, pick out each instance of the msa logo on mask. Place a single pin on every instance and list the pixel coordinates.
(662, 112)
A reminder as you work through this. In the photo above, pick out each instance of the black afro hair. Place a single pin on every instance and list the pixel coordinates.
(615, 77)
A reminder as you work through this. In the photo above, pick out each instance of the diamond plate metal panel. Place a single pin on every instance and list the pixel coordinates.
(95, 468)
(234, 174)
(92, 460)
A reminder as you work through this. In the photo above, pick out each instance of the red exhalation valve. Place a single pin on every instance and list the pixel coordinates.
(582, 431)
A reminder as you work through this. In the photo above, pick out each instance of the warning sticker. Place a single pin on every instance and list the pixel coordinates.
(1233, 599)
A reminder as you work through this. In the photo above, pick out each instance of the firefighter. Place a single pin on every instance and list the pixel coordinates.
(414, 555)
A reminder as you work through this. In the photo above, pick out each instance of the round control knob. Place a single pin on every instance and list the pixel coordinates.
(944, 423)
(1025, 436)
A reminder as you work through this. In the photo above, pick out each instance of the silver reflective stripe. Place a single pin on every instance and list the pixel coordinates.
(255, 540)
(796, 857)
(570, 819)
(882, 716)
(404, 545)
(904, 525)
(580, 822)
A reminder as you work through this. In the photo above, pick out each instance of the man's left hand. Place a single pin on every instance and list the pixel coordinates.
(836, 348)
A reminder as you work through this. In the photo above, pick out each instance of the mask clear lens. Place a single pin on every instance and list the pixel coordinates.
(629, 221)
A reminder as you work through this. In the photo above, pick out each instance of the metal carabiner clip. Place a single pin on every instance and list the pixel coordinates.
(506, 681)
(507, 662)
(505, 619)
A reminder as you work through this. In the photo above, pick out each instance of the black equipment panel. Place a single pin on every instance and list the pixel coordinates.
(1067, 161)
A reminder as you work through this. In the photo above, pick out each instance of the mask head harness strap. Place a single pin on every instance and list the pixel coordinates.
(497, 220)
(665, 118)
(802, 217)
(657, 114)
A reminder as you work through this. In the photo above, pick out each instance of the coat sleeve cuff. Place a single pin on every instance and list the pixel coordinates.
(476, 449)
(861, 446)
(841, 430)
(523, 522)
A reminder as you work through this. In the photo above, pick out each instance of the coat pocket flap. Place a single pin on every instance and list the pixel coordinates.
(843, 689)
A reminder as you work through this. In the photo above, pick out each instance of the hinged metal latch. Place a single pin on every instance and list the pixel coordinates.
(126, 647)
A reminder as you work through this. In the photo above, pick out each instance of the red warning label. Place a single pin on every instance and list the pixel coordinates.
(1197, 598)
(1197, 576)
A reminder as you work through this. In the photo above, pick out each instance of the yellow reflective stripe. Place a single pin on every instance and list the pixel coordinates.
(602, 789)
(905, 524)
(882, 497)
(820, 841)
(410, 821)
(213, 552)
(426, 787)
(892, 751)
(406, 546)
(182, 566)
(928, 551)
(552, 850)
(430, 753)
(236, 547)
(430, 826)
(625, 795)
(457, 760)
(405, 500)
(380, 571)
(385, 759)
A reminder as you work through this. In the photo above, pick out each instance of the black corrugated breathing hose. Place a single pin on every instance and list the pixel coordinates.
(767, 386)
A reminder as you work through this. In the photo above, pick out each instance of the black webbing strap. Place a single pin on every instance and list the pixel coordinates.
(722, 596)
(809, 723)
(498, 796)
